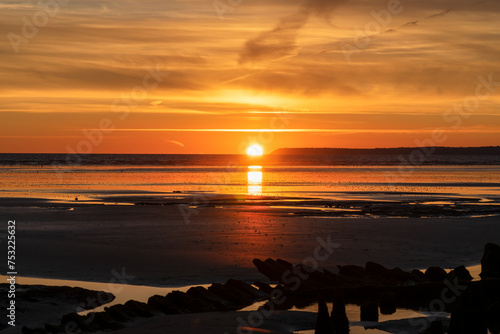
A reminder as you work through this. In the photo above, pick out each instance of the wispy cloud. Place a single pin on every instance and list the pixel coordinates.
(281, 41)
(175, 142)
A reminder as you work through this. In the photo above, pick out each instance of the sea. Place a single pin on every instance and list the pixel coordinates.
(66, 176)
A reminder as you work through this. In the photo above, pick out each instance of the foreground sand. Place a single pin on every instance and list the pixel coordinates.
(284, 322)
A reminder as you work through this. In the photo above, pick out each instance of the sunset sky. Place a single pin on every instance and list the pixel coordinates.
(283, 73)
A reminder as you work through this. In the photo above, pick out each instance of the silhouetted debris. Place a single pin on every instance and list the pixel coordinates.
(479, 305)
(475, 306)
(104, 321)
(190, 303)
(264, 287)
(162, 304)
(120, 313)
(369, 312)
(140, 309)
(490, 262)
(323, 322)
(460, 273)
(203, 294)
(388, 302)
(339, 319)
(478, 308)
(435, 274)
(419, 275)
(246, 288)
(78, 321)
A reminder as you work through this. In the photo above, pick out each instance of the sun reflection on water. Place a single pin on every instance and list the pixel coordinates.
(254, 180)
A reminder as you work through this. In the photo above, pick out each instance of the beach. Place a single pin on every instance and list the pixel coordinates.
(152, 243)
(172, 228)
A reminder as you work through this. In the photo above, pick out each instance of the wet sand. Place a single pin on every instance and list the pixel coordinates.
(158, 247)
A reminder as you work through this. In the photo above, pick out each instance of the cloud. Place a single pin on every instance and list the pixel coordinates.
(433, 16)
(175, 142)
(443, 13)
(280, 42)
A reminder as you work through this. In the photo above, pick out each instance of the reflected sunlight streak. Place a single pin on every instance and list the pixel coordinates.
(254, 180)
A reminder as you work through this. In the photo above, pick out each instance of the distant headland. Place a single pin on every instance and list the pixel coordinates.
(438, 150)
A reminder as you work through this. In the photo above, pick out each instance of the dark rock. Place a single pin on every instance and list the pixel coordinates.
(419, 275)
(264, 287)
(328, 279)
(203, 294)
(490, 262)
(104, 321)
(313, 280)
(243, 295)
(378, 270)
(401, 275)
(461, 273)
(231, 294)
(435, 274)
(334, 279)
(340, 322)
(142, 310)
(388, 302)
(83, 323)
(280, 267)
(285, 264)
(369, 312)
(269, 269)
(493, 317)
(477, 308)
(246, 288)
(188, 302)
(162, 304)
(119, 313)
(353, 273)
(323, 323)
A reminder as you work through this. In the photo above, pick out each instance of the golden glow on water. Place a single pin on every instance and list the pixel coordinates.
(94, 182)
(254, 180)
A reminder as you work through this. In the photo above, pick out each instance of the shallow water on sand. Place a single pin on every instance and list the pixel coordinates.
(304, 181)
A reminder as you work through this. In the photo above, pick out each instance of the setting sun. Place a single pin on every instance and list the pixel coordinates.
(255, 150)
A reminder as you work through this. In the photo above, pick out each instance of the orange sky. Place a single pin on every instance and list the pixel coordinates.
(178, 77)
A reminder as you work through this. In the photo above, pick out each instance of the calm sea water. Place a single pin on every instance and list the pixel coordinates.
(62, 176)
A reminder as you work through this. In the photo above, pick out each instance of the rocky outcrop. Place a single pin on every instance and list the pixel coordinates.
(388, 302)
(490, 262)
(373, 274)
(479, 306)
(435, 274)
(460, 273)
(369, 312)
(232, 295)
(32, 303)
